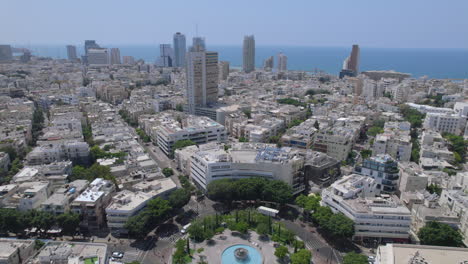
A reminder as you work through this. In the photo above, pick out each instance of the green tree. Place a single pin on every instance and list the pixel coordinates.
(182, 144)
(141, 133)
(309, 203)
(281, 252)
(365, 153)
(69, 223)
(137, 225)
(38, 244)
(322, 215)
(92, 173)
(277, 191)
(340, 226)
(373, 131)
(196, 231)
(242, 227)
(221, 190)
(37, 125)
(180, 256)
(156, 212)
(263, 229)
(294, 122)
(440, 234)
(412, 115)
(434, 188)
(354, 258)
(302, 256)
(168, 172)
(179, 107)
(179, 198)
(243, 139)
(292, 101)
(248, 113)
(458, 145)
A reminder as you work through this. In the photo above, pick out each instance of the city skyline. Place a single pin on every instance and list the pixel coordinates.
(309, 24)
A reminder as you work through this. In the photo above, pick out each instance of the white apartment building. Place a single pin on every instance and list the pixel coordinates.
(420, 254)
(127, 203)
(412, 177)
(92, 202)
(245, 160)
(199, 129)
(384, 169)
(461, 108)
(449, 123)
(282, 62)
(60, 150)
(434, 146)
(301, 136)
(394, 142)
(426, 109)
(27, 196)
(456, 201)
(59, 202)
(15, 251)
(336, 142)
(379, 219)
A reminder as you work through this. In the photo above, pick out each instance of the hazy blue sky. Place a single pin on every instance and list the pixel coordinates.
(370, 23)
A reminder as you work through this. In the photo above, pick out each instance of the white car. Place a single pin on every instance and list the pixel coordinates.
(117, 254)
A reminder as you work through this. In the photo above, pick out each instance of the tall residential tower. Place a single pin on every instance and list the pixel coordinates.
(71, 53)
(282, 62)
(202, 79)
(351, 63)
(115, 56)
(248, 62)
(179, 50)
(166, 55)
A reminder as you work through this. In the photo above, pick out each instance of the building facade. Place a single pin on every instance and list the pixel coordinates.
(379, 219)
(115, 56)
(282, 62)
(179, 49)
(384, 169)
(202, 79)
(248, 59)
(71, 53)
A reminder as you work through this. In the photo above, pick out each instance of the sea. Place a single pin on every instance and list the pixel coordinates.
(433, 63)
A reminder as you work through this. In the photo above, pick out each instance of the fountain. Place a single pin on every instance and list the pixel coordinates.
(241, 253)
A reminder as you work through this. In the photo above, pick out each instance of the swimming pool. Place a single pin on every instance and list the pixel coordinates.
(254, 256)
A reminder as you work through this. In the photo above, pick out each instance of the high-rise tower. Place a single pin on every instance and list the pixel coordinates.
(166, 55)
(268, 64)
(198, 44)
(202, 79)
(71, 53)
(282, 62)
(248, 52)
(115, 56)
(90, 44)
(351, 63)
(179, 50)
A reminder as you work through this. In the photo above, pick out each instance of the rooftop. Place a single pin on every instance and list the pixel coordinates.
(417, 254)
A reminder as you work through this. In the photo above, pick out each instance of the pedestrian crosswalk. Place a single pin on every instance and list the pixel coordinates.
(172, 238)
(313, 244)
(130, 255)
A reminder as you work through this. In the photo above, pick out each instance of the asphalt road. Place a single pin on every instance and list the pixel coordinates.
(313, 243)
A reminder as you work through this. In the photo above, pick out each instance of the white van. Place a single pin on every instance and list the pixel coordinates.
(185, 228)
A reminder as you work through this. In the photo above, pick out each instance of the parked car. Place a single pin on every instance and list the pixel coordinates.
(117, 254)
